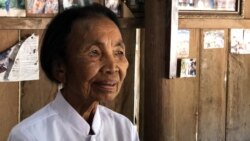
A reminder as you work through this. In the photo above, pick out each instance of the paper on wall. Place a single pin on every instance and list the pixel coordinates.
(183, 43)
(12, 8)
(20, 62)
(213, 39)
(240, 41)
(188, 67)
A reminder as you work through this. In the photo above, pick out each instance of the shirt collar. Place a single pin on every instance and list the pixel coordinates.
(71, 116)
(96, 121)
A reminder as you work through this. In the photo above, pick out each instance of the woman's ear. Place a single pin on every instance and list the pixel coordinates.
(59, 71)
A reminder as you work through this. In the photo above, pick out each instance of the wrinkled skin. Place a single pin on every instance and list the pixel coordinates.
(96, 64)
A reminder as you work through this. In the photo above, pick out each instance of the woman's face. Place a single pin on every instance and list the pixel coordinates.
(96, 63)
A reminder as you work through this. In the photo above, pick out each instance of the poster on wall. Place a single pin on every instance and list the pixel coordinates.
(213, 39)
(183, 43)
(20, 62)
(188, 67)
(240, 41)
(42, 7)
(209, 5)
(65, 4)
(114, 5)
(12, 8)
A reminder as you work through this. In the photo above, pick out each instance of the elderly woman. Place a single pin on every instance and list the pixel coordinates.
(82, 49)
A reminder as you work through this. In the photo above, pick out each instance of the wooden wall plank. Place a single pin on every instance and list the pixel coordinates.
(212, 99)
(124, 103)
(246, 9)
(9, 97)
(185, 109)
(8, 38)
(37, 93)
(210, 23)
(24, 23)
(142, 85)
(238, 111)
(186, 97)
(9, 111)
(41, 23)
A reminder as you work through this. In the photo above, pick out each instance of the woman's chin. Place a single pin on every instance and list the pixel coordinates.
(107, 97)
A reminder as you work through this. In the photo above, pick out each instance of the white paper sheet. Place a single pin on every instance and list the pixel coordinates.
(240, 41)
(20, 62)
(183, 43)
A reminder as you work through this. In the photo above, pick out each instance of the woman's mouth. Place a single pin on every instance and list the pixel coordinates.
(107, 85)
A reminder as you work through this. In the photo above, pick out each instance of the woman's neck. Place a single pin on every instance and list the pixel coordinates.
(84, 107)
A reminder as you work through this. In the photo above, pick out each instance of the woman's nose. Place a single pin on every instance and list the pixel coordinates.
(110, 65)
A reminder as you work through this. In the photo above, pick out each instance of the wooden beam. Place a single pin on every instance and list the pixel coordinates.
(24, 23)
(246, 9)
(214, 23)
(41, 23)
(9, 94)
(158, 110)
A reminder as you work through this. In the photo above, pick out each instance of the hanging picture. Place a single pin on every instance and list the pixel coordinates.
(187, 67)
(42, 7)
(114, 5)
(21, 61)
(240, 41)
(12, 8)
(210, 6)
(183, 38)
(213, 39)
(65, 4)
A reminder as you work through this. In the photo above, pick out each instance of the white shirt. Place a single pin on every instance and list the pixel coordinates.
(58, 121)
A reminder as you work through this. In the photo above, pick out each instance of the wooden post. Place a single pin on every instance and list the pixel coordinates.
(158, 109)
(8, 91)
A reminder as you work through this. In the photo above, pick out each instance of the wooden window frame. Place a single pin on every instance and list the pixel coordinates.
(237, 13)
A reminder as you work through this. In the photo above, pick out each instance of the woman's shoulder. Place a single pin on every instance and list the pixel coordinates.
(39, 115)
(108, 114)
(122, 125)
(26, 126)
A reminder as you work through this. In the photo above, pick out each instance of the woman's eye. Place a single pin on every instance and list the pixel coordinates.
(94, 53)
(120, 53)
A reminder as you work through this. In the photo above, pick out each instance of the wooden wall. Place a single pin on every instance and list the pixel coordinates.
(220, 94)
(20, 99)
(8, 91)
(238, 117)
(212, 93)
(214, 106)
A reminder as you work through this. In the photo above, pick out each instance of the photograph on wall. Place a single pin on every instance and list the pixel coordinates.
(213, 39)
(7, 58)
(12, 8)
(208, 5)
(114, 5)
(42, 7)
(65, 4)
(240, 41)
(20, 62)
(183, 38)
(187, 67)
